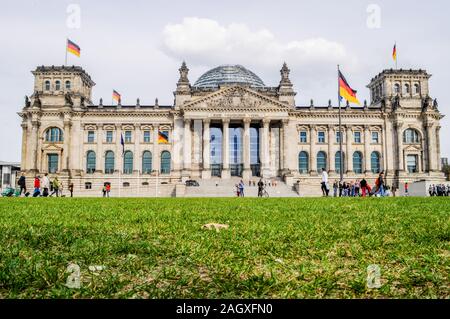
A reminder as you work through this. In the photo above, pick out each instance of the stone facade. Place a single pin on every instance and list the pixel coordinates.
(224, 128)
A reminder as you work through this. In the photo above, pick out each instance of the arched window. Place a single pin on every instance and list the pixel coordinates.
(411, 136)
(90, 162)
(357, 162)
(54, 134)
(321, 161)
(375, 162)
(396, 88)
(109, 162)
(47, 85)
(68, 85)
(146, 162)
(416, 88)
(303, 163)
(337, 162)
(58, 85)
(406, 89)
(165, 162)
(128, 162)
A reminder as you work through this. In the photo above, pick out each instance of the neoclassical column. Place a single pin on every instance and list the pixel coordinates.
(284, 147)
(23, 162)
(66, 146)
(331, 157)
(119, 149)
(431, 147)
(187, 154)
(34, 143)
(348, 149)
(99, 157)
(367, 149)
(264, 148)
(137, 148)
(247, 173)
(156, 157)
(400, 159)
(226, 148)
(206, 172)
(438, 148)
(312, 148)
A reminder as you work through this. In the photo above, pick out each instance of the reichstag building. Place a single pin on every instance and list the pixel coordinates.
(227, 125)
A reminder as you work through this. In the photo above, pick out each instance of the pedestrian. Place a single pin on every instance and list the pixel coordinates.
(23, 184)
(406, 189)
(37, 186)
(45, 185)
(363, 185)
(341, 188)
(104, 190)
(380, 184)
(55, 184)
(71, 189)
(430, 190)
(238, 190)
(260, 187)
(335, 188)
(325, 188)
(357, 187)
(108, 189)
(241, 188)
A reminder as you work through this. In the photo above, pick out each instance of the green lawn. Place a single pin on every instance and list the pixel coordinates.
(274, 248)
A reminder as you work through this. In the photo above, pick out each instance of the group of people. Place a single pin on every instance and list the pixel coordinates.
(439, 190)
(262, 184)
(43, 187)
(359, 187)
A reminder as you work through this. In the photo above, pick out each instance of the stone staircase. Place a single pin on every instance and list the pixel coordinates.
(217, 187)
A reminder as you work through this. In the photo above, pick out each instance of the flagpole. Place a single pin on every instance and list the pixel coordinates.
(396, 56)
(65, 61)
(341, 164)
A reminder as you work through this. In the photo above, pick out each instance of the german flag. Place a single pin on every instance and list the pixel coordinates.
(394, 53)
(73, 48)
(116, 96)
(345, 91)
(163, 137)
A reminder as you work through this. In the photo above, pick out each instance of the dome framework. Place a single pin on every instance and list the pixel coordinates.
(229, 74)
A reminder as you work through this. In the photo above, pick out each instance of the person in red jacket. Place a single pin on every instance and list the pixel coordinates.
(37, 186)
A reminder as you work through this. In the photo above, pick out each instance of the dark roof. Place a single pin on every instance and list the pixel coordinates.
(64, 68)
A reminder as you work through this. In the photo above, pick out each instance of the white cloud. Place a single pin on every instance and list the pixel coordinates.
(205, 42)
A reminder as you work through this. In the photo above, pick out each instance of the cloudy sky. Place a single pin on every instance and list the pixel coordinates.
(136, 47)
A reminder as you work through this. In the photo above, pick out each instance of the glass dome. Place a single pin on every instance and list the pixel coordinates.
(228, 74)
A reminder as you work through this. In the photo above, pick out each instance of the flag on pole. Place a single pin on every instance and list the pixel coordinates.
(73, 48)
(345, 91)
(122, 142)
(394, 53)
(116, 96)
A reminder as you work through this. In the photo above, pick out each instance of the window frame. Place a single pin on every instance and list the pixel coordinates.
(319, 137)
(303, 137)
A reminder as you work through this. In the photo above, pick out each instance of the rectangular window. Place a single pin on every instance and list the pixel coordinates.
(357, 136)
(303, 137)
(109, 136)
(52, 163)
(375, 138)
(338, 137)
(147, 136)
(91, 136)
(127, 136)
(321, 137)
(411, 161)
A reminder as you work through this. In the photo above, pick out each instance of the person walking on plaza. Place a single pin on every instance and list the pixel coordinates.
(45, 185)
(335, 188)
(37, 186)
(108, 189)
(260, 187)
(325, 187)
(71, 189)
(364, 189)
(241, 188)
(380, 184)
(104, 190)
(23, 184)
(56, 185)
(406, 189)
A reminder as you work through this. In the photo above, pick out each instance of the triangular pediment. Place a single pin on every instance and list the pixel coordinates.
(52, 148)
(413, 148)
(236, 98)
